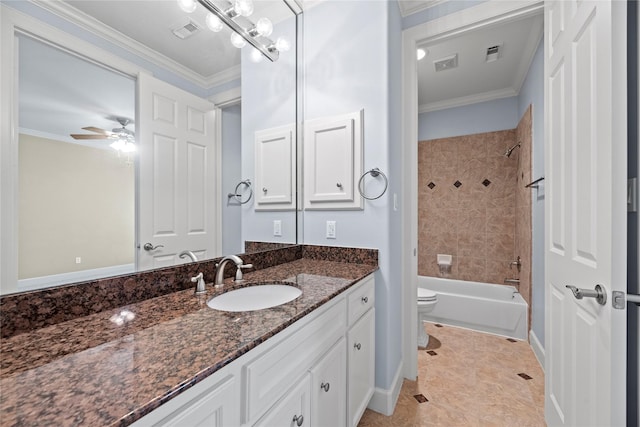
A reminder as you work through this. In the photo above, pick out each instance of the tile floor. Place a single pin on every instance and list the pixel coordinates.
(468, 378)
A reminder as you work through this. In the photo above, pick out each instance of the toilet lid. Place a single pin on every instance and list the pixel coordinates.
(426, 295)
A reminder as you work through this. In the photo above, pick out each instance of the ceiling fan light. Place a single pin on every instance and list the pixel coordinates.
(128, 147)
(118, 144)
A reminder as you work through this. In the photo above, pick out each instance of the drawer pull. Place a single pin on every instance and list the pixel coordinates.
(365, 300)
(298, 419)
(325, 386)
(357, 346)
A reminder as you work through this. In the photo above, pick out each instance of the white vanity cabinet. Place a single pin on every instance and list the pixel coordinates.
(318, 372)
(361, 349)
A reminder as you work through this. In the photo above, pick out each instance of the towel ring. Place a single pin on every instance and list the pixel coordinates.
(238, 197)
(375, 172)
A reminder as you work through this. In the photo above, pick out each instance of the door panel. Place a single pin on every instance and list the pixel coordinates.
(177, 189)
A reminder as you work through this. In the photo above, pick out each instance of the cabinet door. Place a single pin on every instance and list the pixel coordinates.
(218, 407)
(275, 171)
(292, 410)
(329, 388)
(333, 162)
(361, 365)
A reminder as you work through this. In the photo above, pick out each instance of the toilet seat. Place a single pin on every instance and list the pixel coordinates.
(425, 295)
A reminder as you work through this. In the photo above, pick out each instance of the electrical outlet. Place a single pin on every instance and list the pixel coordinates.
(277, 228)
(331, 229)
(78, 260)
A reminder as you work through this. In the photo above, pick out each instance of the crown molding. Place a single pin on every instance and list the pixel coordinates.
(227, 98)
(467, 100)
(106, 32)
(406, 10)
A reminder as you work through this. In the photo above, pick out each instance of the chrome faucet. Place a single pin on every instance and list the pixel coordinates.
(517, 263)
(220, 268)
(188, 254)
(199, 281)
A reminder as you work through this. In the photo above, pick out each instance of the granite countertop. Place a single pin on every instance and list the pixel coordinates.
(113, 367)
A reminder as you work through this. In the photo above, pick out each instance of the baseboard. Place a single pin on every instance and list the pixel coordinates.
(537, 348)
(384, 401)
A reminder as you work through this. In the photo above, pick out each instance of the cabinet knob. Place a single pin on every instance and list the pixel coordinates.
(325, 386)
(357, 346)
(298, 419)
(339, 185)
(365, 300)
(264, 189)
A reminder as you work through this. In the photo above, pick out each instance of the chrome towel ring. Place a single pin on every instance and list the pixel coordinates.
(375, 172)
(237, 196)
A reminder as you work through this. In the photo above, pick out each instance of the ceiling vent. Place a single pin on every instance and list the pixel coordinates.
(494, 53)
(185, 30)
(446, 63)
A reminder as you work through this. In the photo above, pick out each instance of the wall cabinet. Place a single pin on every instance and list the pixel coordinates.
(275, 169)
(333, 159)
(318, 372)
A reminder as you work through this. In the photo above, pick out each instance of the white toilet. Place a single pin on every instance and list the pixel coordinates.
(427, 300)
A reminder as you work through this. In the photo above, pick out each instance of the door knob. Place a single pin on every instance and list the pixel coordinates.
(598, 293)
(150, 247)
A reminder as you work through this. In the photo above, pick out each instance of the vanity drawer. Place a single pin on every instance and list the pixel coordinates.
(274, 372)
(361, 299)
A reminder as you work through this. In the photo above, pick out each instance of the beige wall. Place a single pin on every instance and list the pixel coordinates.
(484, 227)
(74, 201)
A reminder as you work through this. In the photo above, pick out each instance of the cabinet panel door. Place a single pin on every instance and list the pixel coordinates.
(275, 171)
(218, 407)
(329, 388)
(333, 162)
(292, 410)
(361, 365)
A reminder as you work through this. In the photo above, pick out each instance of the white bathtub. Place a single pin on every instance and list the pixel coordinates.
(482, 307)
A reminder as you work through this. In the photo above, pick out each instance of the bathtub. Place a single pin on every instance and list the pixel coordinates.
(484, 307)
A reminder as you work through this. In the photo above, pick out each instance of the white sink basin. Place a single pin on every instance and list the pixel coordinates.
(256, 297)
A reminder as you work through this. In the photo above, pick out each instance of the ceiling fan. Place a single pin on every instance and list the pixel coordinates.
(124, 139)
(116, 133)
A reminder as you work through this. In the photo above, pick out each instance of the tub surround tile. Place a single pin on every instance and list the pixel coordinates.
(90, 371)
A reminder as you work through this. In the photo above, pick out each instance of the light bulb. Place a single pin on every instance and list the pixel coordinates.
(264, 27)
(214, 23)
(128, 147)
(421, 54)
(118, 144)
(256, 55)
(237, 40)
(243, 7)
(187, 6)
(282, 44)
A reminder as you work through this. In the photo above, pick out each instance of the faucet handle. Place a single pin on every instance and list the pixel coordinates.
(200, 286)
(239, 271)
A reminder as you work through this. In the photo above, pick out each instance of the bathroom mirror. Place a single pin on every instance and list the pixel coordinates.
(80, 202)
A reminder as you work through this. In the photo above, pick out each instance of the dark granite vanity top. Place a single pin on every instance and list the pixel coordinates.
(115, 366)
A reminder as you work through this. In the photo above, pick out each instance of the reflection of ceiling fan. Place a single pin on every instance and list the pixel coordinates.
(124, 139)
(116, 133)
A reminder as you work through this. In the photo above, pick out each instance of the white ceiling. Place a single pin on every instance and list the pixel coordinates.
(475, 80)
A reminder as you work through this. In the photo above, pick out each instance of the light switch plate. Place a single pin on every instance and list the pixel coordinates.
(277, 228)
(331, 229)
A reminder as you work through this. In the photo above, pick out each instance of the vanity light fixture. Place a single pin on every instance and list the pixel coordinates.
(187, 6)
(234, 14)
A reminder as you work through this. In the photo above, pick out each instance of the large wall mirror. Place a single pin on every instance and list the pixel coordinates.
(142, 137)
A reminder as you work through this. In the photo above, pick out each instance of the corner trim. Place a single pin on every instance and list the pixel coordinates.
(384, 401)
(537, 348)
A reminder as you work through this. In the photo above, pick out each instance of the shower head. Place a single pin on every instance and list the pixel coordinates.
(510, 150)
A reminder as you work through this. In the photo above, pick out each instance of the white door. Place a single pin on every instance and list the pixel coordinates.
(585, 160)
(177, 178)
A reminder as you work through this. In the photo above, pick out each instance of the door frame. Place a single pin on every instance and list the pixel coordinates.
(485, 14)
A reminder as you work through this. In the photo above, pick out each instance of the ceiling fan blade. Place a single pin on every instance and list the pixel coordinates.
(81, 136)
(97, 130)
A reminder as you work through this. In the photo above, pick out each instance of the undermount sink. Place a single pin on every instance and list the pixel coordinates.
(256, 297)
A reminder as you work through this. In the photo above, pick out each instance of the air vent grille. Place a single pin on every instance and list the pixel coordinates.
(493, 53)
(446, 63)
(185, 30)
